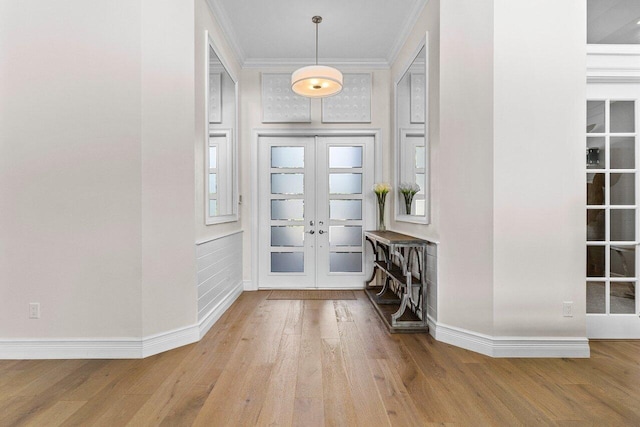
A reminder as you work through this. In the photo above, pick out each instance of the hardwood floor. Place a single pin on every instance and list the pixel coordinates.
(322, 362)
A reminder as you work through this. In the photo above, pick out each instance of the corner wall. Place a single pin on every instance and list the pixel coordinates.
(507, 173)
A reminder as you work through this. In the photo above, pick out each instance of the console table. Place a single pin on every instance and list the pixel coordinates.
(400, 259)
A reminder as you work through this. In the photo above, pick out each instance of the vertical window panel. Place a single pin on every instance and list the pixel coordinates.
(596, 297)
(345, 157)
(622, 298)
(287, 183)
(345, 183)
(345, 262)
(287, 262)
(287, 157)
(345, 209)
(287, 209)
(622, 117)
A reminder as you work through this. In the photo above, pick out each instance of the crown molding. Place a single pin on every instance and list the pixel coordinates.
(410, 22)
(373, 63)
(220, 14)
(613, 63)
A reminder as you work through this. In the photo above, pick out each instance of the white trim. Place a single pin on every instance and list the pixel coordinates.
(117, 348)
(577, 347)
(249, 285)
(343, 64)
(406, 29)
(220, 15)
(613, 63)
(216, 312)
(222, 236)
(169, 340)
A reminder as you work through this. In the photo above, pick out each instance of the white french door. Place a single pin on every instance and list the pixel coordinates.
(612, 210)
(314, 203)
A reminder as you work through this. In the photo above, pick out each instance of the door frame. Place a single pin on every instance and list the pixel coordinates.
(314, 132)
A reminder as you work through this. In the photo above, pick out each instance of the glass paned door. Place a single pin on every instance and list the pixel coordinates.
(313, 207)
(612, 215)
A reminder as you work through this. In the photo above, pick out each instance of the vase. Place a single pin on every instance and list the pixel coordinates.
(381, 226)
(408, 200)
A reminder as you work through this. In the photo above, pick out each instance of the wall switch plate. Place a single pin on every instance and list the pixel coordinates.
(34, 310)
(567, 309)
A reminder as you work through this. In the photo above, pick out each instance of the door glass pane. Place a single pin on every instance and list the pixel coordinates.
(595, 189)
(623, 153)
(292, 209)
(287, 262)
(287, 236)
(623, 261)
(345, 157)
(420, 182)
(213, 207)
(213, 157)
(420, 157)
(213, 183)
(623, 188)
(595, 225)
(345, 262)
(595, 261)
(622, 116)
(345, 183)
(623, 225)
(345, 235)
(596, 297)
(345, 209)
(596, 153)
(287, 183)
(287, 157)
(595, 117)
(622, 298)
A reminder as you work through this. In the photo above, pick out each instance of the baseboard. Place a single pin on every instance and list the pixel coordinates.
(216, 312)
(116, 348)
(124, 348)
(574, 347)
(249, 285)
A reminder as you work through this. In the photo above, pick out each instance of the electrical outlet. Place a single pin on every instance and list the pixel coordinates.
(34, 310)
(567, 309)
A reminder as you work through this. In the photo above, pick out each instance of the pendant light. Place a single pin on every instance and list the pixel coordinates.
(316, 81)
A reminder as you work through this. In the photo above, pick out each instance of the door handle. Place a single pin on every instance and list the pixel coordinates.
(321, 231)
(313, 232)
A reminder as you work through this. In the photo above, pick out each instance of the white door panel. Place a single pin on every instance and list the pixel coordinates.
(612, 214)
(314, 204)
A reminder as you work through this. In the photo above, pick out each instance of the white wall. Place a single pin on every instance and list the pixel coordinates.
(466, 202)
(168, 252)
(539, 199)
(97, 167)
(70, 177)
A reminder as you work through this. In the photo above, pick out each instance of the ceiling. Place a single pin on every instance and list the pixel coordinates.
(277, 32)
(613, 21)
(365, 32)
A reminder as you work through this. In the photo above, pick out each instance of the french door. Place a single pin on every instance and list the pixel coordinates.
(612, 210)
(314, 203)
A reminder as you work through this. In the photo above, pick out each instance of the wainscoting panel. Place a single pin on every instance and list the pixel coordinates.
(219, 264)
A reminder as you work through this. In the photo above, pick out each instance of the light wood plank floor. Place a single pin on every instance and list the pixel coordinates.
(315, 363)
